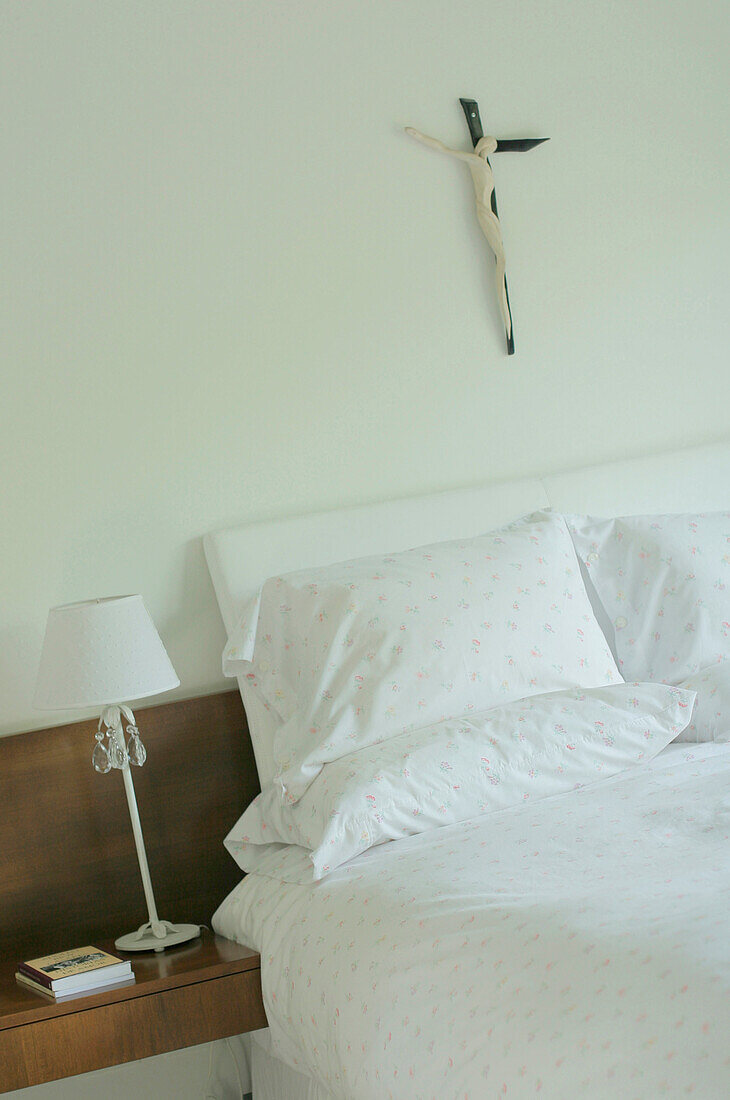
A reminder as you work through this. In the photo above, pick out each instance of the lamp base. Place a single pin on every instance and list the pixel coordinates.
(165, 935)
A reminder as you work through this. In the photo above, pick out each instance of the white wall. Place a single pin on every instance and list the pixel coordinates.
(233, 288)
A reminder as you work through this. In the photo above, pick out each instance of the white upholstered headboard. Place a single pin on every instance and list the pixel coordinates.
(692, 480)
(241, 558)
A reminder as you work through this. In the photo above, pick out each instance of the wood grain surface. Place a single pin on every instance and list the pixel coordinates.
(201, 960)
(131, 1028)
(68, 868)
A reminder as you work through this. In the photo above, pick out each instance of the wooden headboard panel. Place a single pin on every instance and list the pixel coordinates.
(68, 867)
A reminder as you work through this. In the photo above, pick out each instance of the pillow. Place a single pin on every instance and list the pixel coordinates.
(460, 768)
(663, 581)
(354, 653)
(711, 715)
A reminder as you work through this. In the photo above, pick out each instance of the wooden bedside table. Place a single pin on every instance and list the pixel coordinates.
(204, 990)
(69, 875)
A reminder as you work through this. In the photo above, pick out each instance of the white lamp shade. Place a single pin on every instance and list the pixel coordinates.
(100, 652)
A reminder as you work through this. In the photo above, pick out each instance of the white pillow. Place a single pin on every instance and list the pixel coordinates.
(461, 768)
(665, 584)
(711, 715)
(354, 653)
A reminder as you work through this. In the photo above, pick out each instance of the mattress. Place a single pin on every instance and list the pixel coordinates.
(576, 946)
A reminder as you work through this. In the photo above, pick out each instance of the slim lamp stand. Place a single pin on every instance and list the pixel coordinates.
(156, 934)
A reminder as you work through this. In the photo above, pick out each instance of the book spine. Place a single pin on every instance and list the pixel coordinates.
(36, 975)
(28, 983)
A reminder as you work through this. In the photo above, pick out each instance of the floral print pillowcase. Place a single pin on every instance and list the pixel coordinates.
(711, 715)
(664, 582)
(355, 653)
(459, 769)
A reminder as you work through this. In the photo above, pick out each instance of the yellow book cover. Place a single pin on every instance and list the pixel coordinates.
(51, 969)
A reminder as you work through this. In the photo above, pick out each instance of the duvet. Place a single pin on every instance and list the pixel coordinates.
(578, 946)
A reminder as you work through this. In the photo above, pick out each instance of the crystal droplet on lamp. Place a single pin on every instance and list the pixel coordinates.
(118, 753)
(135, 749)
(100, 759)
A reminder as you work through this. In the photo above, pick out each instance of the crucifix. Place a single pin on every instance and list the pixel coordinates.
(486, 200)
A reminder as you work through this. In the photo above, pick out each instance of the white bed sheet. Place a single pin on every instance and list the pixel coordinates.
(578, 946)
(273, 1079)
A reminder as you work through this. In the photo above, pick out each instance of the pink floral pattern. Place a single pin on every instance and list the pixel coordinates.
(352, 654)
(457, 769)
(664, 582)
(711, 715)
(577, 946)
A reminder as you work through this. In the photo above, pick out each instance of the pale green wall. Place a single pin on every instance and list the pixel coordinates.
(232, 288)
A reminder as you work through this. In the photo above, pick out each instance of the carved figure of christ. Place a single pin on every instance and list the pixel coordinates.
(486, 200)
(483, 180)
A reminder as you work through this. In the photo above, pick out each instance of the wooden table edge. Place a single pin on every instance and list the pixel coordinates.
(38, 1009)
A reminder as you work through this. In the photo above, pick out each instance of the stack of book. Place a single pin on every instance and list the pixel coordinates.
(75, 973)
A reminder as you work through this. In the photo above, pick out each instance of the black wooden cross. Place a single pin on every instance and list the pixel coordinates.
(510, 145)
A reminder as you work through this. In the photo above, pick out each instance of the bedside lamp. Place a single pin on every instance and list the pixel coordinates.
(103, 653)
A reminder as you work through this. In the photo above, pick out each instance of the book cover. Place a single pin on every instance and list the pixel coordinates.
(76, 968)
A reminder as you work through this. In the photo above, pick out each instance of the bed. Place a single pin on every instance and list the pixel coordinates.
(570, 945)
